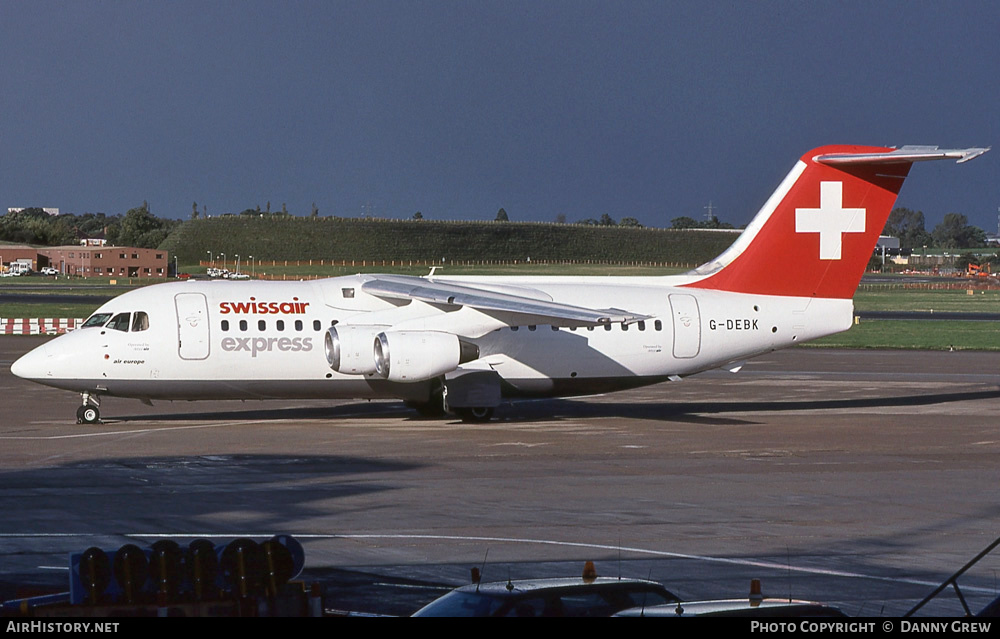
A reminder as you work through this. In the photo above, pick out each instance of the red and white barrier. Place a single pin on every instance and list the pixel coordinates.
(38, 326)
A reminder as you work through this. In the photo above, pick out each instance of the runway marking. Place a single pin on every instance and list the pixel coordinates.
(521, 444)
(121, 432)
(770, 565)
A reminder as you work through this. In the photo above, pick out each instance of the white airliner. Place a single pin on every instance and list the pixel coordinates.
(461, 344)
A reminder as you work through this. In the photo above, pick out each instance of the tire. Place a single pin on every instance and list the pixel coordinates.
(475, 415)
(427, 410)
(433, 408)
(88, 415)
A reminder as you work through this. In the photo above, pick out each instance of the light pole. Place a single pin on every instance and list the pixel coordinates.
(237, 263)
(223, 261)
(211, 262)
(253, 267)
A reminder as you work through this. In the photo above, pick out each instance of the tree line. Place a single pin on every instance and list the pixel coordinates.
(137, 227)
(953, 232)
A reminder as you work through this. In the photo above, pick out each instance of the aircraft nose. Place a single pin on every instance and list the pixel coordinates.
(31, 365)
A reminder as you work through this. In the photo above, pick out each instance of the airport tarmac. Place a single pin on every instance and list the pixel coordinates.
(861, 478)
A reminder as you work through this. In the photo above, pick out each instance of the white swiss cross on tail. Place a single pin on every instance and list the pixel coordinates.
(831, 220)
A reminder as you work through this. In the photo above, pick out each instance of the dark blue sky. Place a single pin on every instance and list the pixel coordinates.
(636, 109)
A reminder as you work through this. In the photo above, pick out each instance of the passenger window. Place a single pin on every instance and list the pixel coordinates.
(280, 325)
(317, 325)
(225, 325)
(140, 322)
(243, 325)
(607, 327)
(120, 322)
(642, 326)
(624, 326)
(658, 325)
(531, 328)
(298, 325)
(261, 325)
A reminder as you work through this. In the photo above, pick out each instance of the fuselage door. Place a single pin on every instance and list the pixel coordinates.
(687, 326)
(192, 325)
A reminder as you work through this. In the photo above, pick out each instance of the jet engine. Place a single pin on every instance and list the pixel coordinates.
(349, 348)
(419, 355)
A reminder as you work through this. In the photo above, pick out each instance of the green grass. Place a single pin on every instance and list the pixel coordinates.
(917, 335)
(900, 299)
(46, 310)
(121, 283)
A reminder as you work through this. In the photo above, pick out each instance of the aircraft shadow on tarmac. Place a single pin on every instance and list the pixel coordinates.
(554, 410)
(267, 490)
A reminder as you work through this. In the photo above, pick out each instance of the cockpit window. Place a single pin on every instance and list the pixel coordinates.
(140, 321)
(97, 319)
(120, 322)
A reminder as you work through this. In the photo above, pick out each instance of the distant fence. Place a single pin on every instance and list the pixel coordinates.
(960, 285)
(429, 263)
(38, 326)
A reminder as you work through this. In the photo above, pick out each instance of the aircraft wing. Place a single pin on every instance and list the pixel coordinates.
(403, 287)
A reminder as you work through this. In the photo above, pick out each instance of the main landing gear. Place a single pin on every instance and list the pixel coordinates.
(471, 396)
(474, 415)
(90, 412)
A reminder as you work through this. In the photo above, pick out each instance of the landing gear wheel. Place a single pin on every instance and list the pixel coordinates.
(434, 407)
(475, 415)
(428, 410)
(88, 415)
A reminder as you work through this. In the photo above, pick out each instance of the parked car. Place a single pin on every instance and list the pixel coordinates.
(588, 596)
(737, 608)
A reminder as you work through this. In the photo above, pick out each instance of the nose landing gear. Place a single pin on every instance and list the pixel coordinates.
(90, 412)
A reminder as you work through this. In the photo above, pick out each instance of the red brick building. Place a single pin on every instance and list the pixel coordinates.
(105, 261)
(13, 252)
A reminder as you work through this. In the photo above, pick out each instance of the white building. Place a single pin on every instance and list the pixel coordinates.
(47, 210)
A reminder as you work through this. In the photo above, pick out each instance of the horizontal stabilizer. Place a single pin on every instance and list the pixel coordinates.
(905, 154)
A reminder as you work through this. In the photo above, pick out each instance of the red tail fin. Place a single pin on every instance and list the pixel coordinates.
(816, 233)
